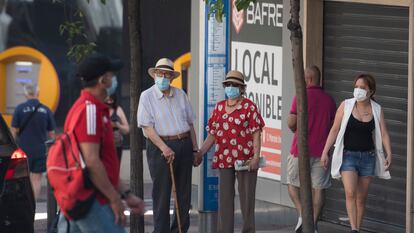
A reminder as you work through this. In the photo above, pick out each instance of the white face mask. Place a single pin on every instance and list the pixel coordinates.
(360, 94)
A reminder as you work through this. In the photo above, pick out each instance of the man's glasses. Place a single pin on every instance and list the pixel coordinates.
(166, 74)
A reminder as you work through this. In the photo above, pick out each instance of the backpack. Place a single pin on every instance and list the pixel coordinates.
(68, 175)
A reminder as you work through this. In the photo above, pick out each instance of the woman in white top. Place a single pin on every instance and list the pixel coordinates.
(360, 134)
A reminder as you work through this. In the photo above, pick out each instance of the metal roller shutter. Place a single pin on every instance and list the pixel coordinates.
(365, 38)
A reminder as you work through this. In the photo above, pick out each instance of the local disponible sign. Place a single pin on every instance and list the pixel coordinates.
(256, 51)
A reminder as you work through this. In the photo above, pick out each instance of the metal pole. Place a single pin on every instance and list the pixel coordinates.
(208, 221)
(51, 201)
(51, 207)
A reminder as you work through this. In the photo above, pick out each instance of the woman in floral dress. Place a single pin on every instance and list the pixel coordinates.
(235, 128)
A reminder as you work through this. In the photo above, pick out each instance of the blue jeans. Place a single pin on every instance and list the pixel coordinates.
(100, 219)
(361, 162)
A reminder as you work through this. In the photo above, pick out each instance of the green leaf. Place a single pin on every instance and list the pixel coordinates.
(219, 18)
(243, 4)
(79, 51)
(103, 2)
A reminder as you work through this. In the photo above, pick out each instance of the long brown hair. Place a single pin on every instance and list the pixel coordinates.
(370, 81)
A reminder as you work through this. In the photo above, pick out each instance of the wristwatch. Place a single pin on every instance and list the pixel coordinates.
(125, 194)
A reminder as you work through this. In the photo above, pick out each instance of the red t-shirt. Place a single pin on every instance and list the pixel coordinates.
(94, 126)
(321, 114)
(234, 132)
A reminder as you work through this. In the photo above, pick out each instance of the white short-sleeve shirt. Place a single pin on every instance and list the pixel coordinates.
(168, 115)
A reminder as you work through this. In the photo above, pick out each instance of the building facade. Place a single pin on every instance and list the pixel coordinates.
(344, 38)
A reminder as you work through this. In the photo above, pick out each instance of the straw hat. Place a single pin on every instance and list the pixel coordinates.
(163, 64)
(234, 76)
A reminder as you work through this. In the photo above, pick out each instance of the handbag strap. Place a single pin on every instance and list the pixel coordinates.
(28, 119)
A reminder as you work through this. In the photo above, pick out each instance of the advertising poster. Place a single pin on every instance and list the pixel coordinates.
(256, 51)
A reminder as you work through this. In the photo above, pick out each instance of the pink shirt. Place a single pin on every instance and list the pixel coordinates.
(321, 114)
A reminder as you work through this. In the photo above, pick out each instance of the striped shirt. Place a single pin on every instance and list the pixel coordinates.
(169, 116)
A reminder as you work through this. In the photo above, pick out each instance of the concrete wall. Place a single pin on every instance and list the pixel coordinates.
(194, 74)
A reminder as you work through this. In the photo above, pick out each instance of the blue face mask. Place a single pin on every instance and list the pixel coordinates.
(111, 90)
(232, 92)
(162, 83)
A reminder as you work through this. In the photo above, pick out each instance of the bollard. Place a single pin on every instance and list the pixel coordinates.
(208, 222)
(51, 201)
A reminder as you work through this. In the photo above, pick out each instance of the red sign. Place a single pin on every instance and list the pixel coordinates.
(272, 163)
(238, 17)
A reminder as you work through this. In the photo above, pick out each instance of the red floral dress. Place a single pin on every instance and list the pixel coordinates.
(234, 132)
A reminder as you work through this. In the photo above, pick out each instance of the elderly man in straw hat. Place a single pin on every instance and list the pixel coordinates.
(166, 117)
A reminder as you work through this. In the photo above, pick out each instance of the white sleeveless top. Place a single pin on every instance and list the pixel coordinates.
(339, 144)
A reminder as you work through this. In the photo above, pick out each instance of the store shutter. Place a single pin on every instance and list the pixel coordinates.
(366, 38)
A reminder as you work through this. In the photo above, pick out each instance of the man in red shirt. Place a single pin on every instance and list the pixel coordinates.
(95, 137)
(321, 114)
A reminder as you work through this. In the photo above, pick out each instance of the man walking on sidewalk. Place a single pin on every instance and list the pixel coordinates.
(95, 137)
(32, 125)
(321, 114)
(166, 117)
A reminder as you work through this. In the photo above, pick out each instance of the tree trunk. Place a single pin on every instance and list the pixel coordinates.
(302, 118)
(133, 8)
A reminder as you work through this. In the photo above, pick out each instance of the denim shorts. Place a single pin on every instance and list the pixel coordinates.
(361, 162)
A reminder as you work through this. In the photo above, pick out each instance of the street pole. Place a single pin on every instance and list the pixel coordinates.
(208, 221)
(207, 218)
(51, 201)
(216, 65)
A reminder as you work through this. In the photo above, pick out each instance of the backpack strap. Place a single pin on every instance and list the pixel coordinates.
(71, 128)
(75, 119)
(21, 129)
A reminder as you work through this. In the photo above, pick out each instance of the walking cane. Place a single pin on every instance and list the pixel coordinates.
(177, 209)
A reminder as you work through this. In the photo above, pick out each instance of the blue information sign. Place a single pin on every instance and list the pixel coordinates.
(216, 66)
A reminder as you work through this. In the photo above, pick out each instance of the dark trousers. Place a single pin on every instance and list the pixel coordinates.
(119, 153)
(161, 190)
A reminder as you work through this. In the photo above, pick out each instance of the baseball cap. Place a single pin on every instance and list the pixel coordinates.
(95, 65)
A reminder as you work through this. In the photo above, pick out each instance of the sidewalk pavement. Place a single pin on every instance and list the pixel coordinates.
(270, 217)
(324, 227)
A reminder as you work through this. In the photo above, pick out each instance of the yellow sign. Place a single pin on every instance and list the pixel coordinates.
(183, 61)
(47, 80)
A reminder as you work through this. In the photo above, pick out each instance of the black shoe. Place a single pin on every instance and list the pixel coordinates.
(354, 231)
